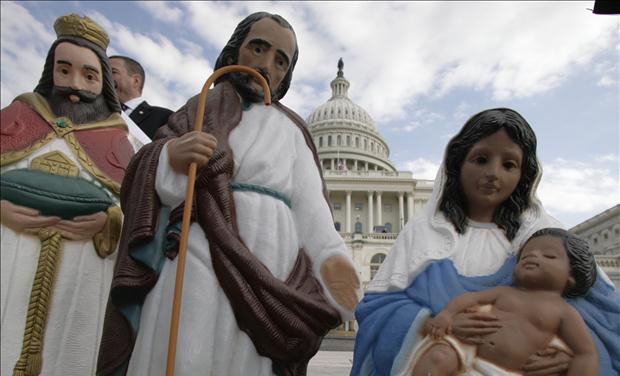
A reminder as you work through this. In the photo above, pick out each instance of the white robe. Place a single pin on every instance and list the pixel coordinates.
(79, 295)
(270, 151)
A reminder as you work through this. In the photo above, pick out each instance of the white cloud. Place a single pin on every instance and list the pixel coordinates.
(395, 52)
(25, 42)
(214, 22)
(412, 126)
(572, 187)
(608, 73)
(162, 10)
(421, 168)
(174, 71)
(422, 118)
(608, 158)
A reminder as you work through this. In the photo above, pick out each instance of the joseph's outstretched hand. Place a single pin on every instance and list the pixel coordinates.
(192, 147)
(341, 280)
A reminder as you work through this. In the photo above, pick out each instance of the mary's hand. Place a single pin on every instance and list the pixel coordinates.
(470, 327)
(547, 362)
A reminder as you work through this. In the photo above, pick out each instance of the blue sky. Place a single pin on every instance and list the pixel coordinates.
(419, 68)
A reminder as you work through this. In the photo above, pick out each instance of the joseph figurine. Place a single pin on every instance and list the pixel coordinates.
(267, 274)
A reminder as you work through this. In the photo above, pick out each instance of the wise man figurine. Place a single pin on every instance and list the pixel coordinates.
(65, 148)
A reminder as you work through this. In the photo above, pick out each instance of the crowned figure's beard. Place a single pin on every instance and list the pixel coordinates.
(91, 107)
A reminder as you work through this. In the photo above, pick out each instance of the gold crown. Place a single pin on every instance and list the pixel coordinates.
(82, 27)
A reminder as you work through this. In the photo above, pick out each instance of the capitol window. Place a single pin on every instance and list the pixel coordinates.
(329, 140)
(358, 227)
(359, 206)
(337, 226)
(337, 206)
(375, 263)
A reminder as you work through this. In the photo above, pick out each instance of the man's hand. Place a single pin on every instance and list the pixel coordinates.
(470, 327)
(547, 362)
(342, 281)
(21, 218)
(82, 227)
(192, 147)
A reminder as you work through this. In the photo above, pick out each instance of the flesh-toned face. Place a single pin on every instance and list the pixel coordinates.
(78, 68)
(126, 85)
(489, 174)
(269, 48)
(543, 265)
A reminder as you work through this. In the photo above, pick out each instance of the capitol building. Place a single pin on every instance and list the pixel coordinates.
(372, 201)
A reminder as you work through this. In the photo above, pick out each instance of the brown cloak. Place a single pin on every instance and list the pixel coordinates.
(286, 320)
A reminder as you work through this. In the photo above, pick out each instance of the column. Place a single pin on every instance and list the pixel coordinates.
(332, 162)
(366, 168)
(370, 213)
(379, 209)
(409, 206)
(401, 211)
(355, 165)
(347, 220)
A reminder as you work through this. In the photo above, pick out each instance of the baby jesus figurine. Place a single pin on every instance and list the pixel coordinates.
(553, 263)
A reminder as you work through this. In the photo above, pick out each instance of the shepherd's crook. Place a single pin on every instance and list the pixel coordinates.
(187, 210)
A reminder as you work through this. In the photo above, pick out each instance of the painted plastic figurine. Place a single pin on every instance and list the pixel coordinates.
(267, 275)
(65, 148)
(482, 211)
(552, 264)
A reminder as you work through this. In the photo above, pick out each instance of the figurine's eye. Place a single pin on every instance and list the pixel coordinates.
(510, 165)
(64, 70)
(281, 63)
(257, 49)
(481, 159)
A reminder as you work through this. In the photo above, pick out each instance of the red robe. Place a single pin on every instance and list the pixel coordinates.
(102, 148)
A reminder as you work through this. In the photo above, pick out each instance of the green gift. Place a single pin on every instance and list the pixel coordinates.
(53, 195)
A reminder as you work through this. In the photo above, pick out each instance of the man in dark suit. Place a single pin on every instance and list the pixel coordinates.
(129, 79)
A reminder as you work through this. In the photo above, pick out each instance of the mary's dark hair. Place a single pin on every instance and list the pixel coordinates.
(46, 83)
(230, 53)
(479, 126)
(581, 259)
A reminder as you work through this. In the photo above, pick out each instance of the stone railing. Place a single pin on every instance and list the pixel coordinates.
(380, 236)
(369, 236)
(367, 174)
(608, 261)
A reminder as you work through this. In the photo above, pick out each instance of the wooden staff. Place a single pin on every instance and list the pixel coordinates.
(187, 209)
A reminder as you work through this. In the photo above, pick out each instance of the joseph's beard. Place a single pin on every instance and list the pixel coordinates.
(89, 109)
(242, 83)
